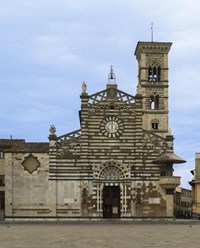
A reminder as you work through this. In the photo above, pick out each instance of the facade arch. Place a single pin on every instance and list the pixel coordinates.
(112, 174)
(154, 70)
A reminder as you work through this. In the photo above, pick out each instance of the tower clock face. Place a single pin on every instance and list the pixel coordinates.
(112, 127)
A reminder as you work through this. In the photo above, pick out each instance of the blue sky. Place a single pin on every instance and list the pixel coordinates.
(49, 47)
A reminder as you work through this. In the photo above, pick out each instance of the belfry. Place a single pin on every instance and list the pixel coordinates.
(119, 164)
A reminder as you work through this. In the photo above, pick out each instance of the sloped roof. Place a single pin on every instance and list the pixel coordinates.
(5, 143)
(169, 157)
(19, 145)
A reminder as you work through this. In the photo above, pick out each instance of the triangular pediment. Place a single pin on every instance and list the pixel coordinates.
(113, 94)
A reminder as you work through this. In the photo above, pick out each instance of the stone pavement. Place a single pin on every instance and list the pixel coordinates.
(96, 235)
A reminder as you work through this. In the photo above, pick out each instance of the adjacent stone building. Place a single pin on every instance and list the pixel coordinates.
(183, 203)
(119, 164)
(195, 183)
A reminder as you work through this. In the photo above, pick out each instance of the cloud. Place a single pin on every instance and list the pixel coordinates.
(53, 50)
(48, 48)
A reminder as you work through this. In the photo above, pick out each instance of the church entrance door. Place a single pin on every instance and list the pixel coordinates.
(111, 202)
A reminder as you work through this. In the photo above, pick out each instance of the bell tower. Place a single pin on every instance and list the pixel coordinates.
(153, 84)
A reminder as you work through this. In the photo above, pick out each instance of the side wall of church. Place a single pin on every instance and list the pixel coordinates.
(73, 198)
(27, 194)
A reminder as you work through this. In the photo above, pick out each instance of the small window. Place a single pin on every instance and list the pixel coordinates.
(1, 155)
(2, 182)
(154, 125)
(2, 200)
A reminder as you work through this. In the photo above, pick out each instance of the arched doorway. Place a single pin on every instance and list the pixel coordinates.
(111, 187)
(111, 202)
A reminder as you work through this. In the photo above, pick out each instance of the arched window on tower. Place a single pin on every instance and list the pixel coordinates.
(154, 74)
(158, 73)
(154, 102)
(155, 78)
(156, 99)
(150, 76)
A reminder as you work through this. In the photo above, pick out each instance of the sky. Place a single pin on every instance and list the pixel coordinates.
(49, 47)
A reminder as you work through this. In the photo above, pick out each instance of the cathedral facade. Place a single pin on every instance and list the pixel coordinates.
(119, 164)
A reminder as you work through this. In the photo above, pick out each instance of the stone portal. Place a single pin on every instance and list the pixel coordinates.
(111, 202)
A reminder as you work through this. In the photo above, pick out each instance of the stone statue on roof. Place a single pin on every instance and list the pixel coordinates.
(84, 88)
(52, 130)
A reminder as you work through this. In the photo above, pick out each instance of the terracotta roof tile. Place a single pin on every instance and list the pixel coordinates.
(19, 145)
(40, 147)
(6, 143)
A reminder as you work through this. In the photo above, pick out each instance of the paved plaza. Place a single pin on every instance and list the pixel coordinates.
(96, 235)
